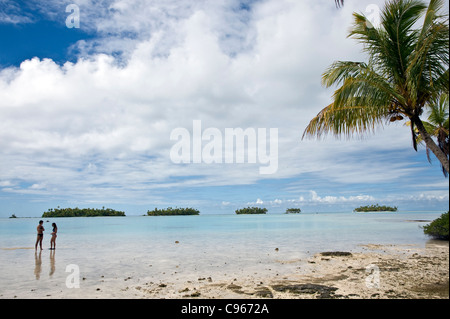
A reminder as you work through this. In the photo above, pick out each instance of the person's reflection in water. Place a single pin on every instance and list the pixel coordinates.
(38, 263)
(52, 263)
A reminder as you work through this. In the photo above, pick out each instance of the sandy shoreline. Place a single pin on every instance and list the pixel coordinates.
(374, 272)
(397, 272)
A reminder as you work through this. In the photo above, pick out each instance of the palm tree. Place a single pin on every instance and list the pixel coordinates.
(407, 68)
(437, 125)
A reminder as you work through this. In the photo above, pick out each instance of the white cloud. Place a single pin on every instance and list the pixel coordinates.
(439, 196)
(10, 13)
(5, 184)
(314, 198)
(339, 199)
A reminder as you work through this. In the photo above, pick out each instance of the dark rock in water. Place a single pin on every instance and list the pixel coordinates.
(336, 254)
(324, 292)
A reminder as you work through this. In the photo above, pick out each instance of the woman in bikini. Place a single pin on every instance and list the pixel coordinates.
(53, 239)
(40, 235)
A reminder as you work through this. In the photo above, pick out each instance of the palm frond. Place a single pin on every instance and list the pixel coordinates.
(363, 100)
(345, 121)
(428, 65)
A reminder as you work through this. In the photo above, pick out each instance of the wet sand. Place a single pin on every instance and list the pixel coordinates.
(381, 272)
(374, 272)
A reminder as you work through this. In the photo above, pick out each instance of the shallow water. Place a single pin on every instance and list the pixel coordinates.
(108, 249)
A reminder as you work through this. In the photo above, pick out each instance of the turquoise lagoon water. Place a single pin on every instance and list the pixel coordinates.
(109, 249)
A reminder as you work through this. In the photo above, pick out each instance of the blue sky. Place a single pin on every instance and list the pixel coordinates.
(87, 113)
(43, 39)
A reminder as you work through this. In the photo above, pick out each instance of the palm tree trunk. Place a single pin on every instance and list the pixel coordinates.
(440, 155)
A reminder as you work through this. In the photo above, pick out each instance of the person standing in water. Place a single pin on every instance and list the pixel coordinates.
(53, 239)
(40, 235)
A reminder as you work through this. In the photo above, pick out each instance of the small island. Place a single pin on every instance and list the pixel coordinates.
(375, 208)
(82, 212)
(293, 211)
(251, 210)
(173, 212)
